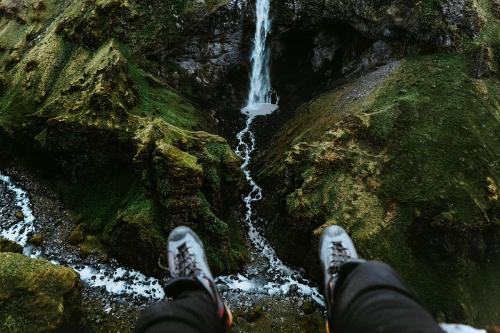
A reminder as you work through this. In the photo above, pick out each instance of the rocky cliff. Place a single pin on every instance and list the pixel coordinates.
(388, 126)
(399, 145)
(131, 153)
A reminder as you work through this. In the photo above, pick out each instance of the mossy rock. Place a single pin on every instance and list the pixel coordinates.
(19, 215)
(10, 246)
(77, 235)
(37, 296)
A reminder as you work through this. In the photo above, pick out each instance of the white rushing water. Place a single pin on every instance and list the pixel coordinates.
(113, 278)
(260, 76)
(266, 273)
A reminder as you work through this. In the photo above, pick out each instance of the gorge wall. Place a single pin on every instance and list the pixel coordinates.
(388, 126)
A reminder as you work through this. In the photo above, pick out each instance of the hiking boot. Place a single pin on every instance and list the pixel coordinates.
(188, 266)
(336, 248)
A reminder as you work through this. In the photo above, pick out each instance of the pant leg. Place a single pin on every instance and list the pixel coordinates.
(192, 311)
(370, 297)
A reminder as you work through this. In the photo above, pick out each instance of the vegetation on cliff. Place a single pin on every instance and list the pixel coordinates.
(408, 164)
(134, 159)
(105, 96)
(37, 296)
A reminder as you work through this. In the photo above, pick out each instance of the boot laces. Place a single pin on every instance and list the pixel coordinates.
(338, 256)
(186, 261)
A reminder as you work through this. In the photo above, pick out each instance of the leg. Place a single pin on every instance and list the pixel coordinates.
(367, 296)
(370, 297)
(197, 306)
(192, 311)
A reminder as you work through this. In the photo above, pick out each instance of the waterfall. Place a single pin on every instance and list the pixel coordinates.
(266, 273)
(259, 94)
(260, 77)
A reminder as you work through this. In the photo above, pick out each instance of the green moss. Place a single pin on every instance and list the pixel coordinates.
(442, 133)
(405, 170)
(36, 295)
(96, 203)
(214, 232)
(157, 99)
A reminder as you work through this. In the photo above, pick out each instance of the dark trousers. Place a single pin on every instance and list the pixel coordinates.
(192, 311)
(369, 297)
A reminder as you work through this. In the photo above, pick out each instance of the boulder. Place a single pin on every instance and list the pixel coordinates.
(37, 296)
(10, 246)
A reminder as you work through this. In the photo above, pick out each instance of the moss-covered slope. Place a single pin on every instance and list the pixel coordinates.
(408, 165)
(131, 155)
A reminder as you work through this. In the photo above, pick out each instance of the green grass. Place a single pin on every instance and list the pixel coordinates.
(97, 203)
(441, 132)
(156, 99)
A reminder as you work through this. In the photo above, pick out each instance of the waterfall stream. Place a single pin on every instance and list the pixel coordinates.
(260, 76)
(266, 273)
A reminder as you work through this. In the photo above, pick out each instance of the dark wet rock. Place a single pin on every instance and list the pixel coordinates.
(294, 288)
(19, 215)
(439, 25)
(10, 246)
(482, 62)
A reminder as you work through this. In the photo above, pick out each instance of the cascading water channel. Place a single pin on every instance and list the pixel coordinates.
(266, 273)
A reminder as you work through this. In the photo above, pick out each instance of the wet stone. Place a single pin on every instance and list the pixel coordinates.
(19, 215)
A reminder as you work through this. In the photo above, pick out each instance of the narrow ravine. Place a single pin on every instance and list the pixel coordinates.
(266, 273)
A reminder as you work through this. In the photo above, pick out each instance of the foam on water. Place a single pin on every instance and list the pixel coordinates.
(18, 231)
(259, 109)
(458, 328)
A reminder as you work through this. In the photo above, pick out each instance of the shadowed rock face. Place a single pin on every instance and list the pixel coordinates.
(438, 23)
(37, 296)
